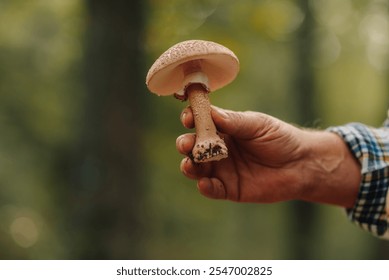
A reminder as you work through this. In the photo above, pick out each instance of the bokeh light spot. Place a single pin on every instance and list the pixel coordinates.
(24, 232)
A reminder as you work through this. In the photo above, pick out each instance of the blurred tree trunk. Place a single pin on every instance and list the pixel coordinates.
(302, 213)
(108, 172)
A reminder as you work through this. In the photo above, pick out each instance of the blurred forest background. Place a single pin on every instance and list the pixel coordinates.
(88, 166)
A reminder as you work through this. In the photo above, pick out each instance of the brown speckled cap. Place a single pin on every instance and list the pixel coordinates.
(218, 63)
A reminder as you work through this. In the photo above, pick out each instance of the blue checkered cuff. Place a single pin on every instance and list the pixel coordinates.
(371, 147)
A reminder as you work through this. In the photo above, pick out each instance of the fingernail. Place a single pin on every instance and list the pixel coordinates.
(182, 168)
(179, 141)
(183, 116)
(183, 163)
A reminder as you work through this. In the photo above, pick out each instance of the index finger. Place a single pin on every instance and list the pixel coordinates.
(187, 117)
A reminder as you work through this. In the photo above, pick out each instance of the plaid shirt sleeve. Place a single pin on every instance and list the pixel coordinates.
(371, 147)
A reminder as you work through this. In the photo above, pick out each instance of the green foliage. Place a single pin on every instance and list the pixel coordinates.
(42, 94)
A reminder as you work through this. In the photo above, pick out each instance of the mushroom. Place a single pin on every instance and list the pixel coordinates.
(190, 70)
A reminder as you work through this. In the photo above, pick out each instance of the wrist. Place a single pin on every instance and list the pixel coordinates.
(331, 174)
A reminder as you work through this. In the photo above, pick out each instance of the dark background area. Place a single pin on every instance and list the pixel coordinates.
(88, 166)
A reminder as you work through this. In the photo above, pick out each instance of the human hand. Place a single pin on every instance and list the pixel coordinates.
(263, 161)
(270, 160)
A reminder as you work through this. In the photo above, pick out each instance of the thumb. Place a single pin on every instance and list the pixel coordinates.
(242, 125)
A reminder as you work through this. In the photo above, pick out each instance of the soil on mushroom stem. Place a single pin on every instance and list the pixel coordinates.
(209, 152)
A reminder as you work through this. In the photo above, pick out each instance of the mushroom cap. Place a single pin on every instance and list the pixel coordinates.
(166, 76)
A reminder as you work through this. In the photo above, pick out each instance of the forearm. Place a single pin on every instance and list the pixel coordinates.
(332, 174)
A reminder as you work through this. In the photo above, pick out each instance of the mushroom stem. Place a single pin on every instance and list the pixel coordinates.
(209, 146)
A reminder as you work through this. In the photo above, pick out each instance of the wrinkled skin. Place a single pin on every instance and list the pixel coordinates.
(269, 161)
